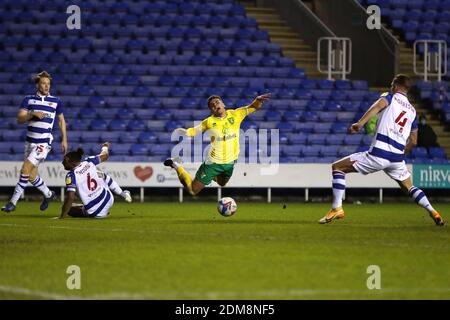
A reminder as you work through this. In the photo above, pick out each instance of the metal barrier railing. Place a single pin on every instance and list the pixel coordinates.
(435, 60)
(338, 56)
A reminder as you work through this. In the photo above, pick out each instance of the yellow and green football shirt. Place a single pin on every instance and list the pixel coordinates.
(223, 133)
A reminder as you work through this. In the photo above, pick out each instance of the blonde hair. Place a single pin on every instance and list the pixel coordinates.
(42, 74)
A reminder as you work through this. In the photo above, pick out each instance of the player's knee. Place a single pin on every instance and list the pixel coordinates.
(27, 168)
(196, 187)
(28, 173)
(222, 182)
(335, 166)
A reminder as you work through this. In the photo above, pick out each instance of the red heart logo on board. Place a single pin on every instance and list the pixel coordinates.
(143, 173)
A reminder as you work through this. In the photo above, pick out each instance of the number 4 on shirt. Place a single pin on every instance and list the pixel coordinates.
(401, 122)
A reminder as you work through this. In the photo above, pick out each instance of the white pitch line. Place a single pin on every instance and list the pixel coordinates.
(215, 294)
(36, 293)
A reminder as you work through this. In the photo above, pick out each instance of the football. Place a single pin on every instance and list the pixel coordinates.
(227, 206)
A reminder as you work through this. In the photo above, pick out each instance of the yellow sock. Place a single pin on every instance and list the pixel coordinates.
(185, 178)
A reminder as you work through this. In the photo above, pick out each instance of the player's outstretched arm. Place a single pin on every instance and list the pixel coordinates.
(62, 128)
(192, 132)
(258, 102)
(104, 154)
(68, 201)
(374, 109)
(412, 141)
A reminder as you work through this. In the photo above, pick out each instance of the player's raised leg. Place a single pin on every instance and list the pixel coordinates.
(192, 186)
(115, 188)
(421, 199)
(339, 169)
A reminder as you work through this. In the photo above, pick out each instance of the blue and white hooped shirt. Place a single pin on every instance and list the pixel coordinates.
(40, 130)
(395, 124)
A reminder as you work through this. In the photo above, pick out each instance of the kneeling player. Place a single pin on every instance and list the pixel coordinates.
(93, 189)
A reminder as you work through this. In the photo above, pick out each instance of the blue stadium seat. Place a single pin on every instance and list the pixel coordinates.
(118, 125)
(112, 137)
(326, 116)
(98, 125)
(17, 148)
(437, 152)
(139, 149)
(345, 116)
(360, 85)
(120, 149)
(322, 127)
(311, 151)
(285, 126)
(297, 138)
(147, 138)
(346, 150)
(78, 124)
(335, 139)
(137, 125)
(272, 116)
(160, 149)
(353, 139)
(293, 151)
(124, 114)
(5, 147)
(329, 151)
(129, 137)
(14, 135)
(292, 115)
(90, 136)
(316, 138)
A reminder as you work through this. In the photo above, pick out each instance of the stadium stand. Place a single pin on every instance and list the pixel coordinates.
(136, 71)
(422, 20)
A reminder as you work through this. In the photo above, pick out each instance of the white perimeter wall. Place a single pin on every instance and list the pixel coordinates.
(245, 175)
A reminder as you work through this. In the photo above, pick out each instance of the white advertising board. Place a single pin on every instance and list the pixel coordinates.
(245, 175)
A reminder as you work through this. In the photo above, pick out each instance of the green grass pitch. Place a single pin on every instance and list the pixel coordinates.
(189, 251)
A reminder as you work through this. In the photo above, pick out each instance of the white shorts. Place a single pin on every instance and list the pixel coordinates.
(365, 163)
(105, 211)
(36, 153)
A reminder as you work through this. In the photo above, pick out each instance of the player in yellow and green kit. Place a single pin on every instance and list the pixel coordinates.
(223, 127)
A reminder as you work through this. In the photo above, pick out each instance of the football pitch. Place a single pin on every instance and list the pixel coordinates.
(189, 251)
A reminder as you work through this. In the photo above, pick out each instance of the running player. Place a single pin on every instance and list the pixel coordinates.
(396, 134)
(40, 111)
(92, 186)
(223, 127)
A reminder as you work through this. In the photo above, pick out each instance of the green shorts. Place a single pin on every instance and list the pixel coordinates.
(207, 172)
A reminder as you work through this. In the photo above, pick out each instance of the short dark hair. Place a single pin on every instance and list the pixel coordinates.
(42, 74)
(212, 98)
(75, 156)
(403, 81)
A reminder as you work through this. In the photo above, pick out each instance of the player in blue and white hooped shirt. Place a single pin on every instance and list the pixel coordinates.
(40, 111)
(93, 187)
(396, 134)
